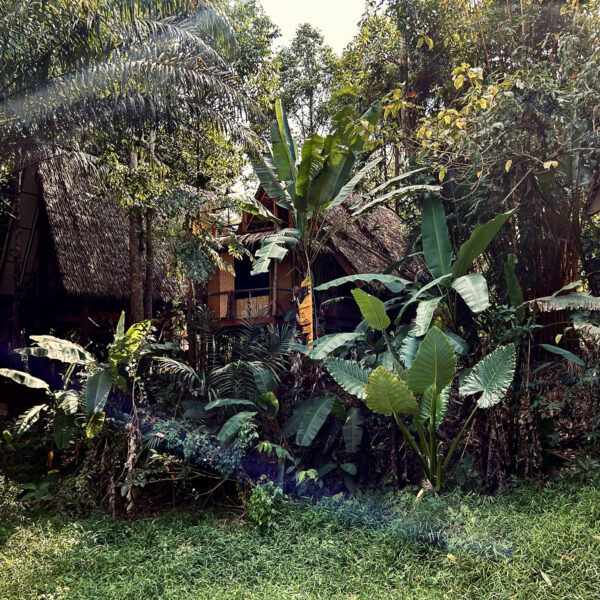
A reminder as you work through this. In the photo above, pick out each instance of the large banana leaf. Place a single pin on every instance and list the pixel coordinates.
(425, 311)
(353, 430)
(372, 310)
(436, 241)
(349, 375)
(258, 209)
(28, 418)
(69, 401)
(63, 426)
(284, 147)
(265, 171)
(392, 282)
(94, 424)
(233, 425)
(224, 402)
(310, 165)
(48, 346)
(326, 344)
(473, 289)
(442, 401)
(275, 247)
(313, 419)
(24, 379)
(492, 376)
(96, 391)
(434, 365)
(386, 394)
(349, 187)
(477, 243)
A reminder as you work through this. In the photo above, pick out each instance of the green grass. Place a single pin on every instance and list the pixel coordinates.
(339, 551)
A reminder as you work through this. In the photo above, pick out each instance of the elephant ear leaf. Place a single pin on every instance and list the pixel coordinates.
(434, 364)
(387, 394)
(436, 241)
(492, 376)
(372, 309)
(477, 243)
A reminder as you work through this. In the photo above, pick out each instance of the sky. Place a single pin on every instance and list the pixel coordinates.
(336, 19)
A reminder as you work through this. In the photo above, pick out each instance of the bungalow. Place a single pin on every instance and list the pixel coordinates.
(369, 245)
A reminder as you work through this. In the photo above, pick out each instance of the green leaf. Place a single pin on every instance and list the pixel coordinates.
(372, 310)
(63, 426)
(96, 391)
(515, 292)
(290, 427)
(394, 283)
(310, 165)
(274, 247)
(477, 243)
(425, 311)
(349, 375)
(55, 348)
(94, 424)
(434, 365)
(233, 425)
(349, 468)
(577, 301)
(349, 187)
(386, 394)
(264, 380)
(284, 148)
(69, 401)
(473, 289)
(313, 419)
(564, 353)
(442, 401)
(258, 209)
(436, 241)
(269, 404)
(402, 192)
(408, 350)
(24, 379)
(353, 430)
(327, 344)
(223, 402)
(264, 169)
(492, 376)
(28, 418)
(458, 344)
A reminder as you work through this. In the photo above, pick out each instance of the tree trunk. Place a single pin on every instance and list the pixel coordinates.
(149, 282)
(136, 284)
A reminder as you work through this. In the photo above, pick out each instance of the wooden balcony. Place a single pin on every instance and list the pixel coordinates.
(233, 305)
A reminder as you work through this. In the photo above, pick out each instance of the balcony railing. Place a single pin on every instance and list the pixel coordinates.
(238, 301)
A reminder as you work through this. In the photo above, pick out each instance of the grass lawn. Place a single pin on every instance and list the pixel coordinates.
(528, 544)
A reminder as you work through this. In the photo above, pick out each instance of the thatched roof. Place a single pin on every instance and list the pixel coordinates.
(367, 245)
(89, 232)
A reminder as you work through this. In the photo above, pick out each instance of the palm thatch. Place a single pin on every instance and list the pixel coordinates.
(89, 234)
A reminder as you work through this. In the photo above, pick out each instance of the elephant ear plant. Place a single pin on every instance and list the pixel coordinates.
(423, 390)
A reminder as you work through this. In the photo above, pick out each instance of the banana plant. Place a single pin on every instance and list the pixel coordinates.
(316, 181)
(422, 388)
(68, 408)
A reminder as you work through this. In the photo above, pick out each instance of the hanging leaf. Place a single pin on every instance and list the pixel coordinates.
(55, 348)
(94, 425)
(473, 289)
(224, 402)
(96, 391)
(269, 404)
(372, 310)
(434, 365)
(392, 282)
(492, 376)
(264, 380)
(353, 430)
(274, 247)
(327, 344)
(386, 394)
(69, 401)
(28, 418)
(63, 426)
(564, 353)
(349, 375)
(313, 419)
(436, 241)
(477, 243)
(233, 425)
(24, 379)
(425, 311)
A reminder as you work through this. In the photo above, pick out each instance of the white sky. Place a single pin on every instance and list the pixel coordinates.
(336, 19)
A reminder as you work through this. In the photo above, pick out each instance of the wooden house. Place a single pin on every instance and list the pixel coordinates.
(369, 245)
